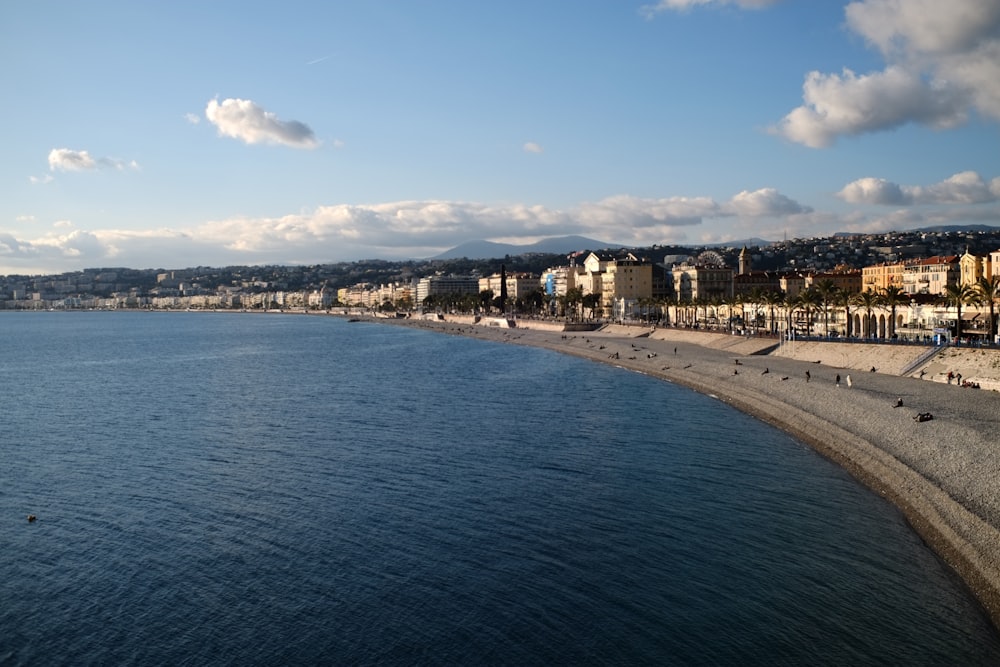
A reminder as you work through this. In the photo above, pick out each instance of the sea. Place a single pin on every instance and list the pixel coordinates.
(283, 489)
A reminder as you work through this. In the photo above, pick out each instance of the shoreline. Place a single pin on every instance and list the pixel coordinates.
(943, 474)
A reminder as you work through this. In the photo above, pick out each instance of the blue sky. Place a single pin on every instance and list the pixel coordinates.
(168, 135)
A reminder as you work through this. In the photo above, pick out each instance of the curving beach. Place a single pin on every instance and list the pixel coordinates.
(942, 473)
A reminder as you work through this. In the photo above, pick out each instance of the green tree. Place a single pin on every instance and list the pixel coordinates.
(534, 300)
(869, 301)
(957, 296)
(404, 303)
(988, 289)
(772, 300)
(572, 298)
(843, 298)
(892, 297)
(808, 300)
(825, 290)
(592, 302)
(486, 298)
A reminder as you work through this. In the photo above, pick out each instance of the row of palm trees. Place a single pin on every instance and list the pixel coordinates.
(825, 297)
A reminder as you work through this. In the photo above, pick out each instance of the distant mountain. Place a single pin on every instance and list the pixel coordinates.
(558, 245)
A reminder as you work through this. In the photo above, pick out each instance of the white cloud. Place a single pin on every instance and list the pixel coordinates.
(873, 191)
(683, 5)
(388, 230)
(942, 61)
(624, 213)
(192, 118)
(532, 147)
(849, 104)
(41, 180)
(244, 120)
(967, 188)
(766, 202)
(924, 26)
(65, 159)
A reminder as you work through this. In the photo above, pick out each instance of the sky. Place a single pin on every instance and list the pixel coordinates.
(189, 133)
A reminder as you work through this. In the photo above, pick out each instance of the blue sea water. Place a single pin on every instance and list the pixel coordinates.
(234, 489)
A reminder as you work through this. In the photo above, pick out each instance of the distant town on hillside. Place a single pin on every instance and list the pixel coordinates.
(321, 285)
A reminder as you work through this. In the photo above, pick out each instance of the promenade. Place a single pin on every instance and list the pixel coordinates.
(943, 473)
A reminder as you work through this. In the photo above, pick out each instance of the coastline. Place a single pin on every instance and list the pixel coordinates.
(942, 474)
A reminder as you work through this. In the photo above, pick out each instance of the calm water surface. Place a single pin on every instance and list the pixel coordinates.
(246, 489)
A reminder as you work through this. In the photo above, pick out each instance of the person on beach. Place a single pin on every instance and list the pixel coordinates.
(808, 376)
(849, 383)
(899, 402)
(838, 379)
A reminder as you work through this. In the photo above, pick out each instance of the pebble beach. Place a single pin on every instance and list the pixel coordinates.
(942, 472)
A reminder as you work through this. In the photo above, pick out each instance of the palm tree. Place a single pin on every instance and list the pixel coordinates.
(958, 296)
(844, 298)
(892, 297)
(772, 300)
(869, 301)
(989, 290)
(591, 301)
(790, 303)
(756, 297)
(825, 290)
(808, 300)
(573, 296)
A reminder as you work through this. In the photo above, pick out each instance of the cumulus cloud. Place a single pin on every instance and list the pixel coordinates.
(244, 120)
(389, 230)
(41, 180)
(925, 26)
(966, 187)
(532, 147)
(850, 104)
(873, 191)
(766, 202)
(942, 61)
(192, 118)
(65, 159)
(683, 5)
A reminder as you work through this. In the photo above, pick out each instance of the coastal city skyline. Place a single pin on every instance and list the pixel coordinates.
(187, 135)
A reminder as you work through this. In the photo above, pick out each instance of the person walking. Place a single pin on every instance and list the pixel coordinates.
(838, 379)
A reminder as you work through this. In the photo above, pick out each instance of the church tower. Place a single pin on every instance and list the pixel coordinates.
(744, 261)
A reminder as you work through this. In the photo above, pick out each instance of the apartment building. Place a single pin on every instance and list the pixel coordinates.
(434, 285)
(846, 280)
(878, 277)
(700, 281)
(519, 285)
(931, 275)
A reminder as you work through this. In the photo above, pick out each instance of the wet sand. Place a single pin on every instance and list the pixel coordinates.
(943, 474)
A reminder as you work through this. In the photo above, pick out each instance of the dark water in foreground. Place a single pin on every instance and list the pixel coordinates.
(241, 489)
